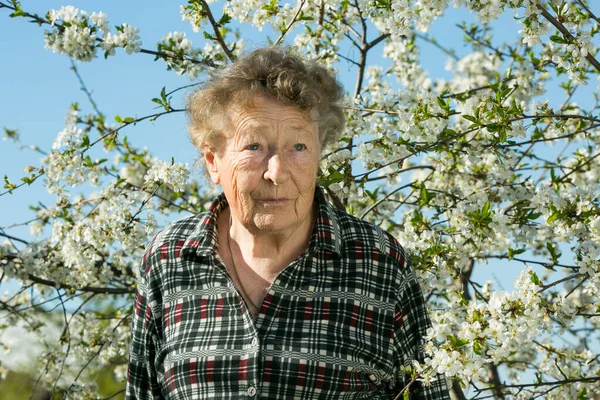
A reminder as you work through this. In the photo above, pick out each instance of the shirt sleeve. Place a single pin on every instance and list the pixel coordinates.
(142, 380)
(410, 327)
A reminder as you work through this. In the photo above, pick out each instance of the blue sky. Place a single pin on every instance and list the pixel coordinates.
(37, 86)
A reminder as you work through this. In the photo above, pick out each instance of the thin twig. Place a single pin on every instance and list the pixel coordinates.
(578, 285)
(558, 282)
(42, 21)
(589, 160)
(68, 334)
(217, 31)
(93, 357)
(592, 15)
(84, 88)
(88, 289)
(592, 60)
(289, 26)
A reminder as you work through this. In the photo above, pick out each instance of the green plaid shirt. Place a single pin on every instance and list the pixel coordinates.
(339, 322)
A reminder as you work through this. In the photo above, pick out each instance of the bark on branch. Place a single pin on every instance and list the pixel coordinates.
(566, 34)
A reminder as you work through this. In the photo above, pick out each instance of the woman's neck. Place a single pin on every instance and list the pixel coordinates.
(266, 253)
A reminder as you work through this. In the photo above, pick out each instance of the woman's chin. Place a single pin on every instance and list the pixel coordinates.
(275, 222)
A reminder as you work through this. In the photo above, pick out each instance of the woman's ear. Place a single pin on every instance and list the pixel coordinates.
(212, 160)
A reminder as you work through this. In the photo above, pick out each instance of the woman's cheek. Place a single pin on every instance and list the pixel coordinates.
(252, 160)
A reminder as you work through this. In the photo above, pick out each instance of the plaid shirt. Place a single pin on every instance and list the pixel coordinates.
(339, 322)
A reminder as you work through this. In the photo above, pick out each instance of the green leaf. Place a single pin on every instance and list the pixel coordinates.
(12, 134)
(535, 279)
(334, 176)
(225, 18)
(457, 343)
(8, 184)
(383, 4)
(553, 217)
(128, 120)
(272, 6)
(558, 39)
(513, 252)
(372, 195)
(118, 119)
(86, 140)
(425, 196)
(304, 17)
(486, 209)
(472, 119)
(494, 127)
(442, 103)
(554, 253)
(478, 348)
(18, 12)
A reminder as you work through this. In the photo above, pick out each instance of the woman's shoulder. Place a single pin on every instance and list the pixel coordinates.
(355, 230)
(179, 230)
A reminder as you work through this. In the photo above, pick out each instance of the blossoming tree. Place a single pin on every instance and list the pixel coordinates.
(469, 173)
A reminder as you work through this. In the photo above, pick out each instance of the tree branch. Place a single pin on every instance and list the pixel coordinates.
(558, 282)
(289, 26)
(42, 21)
(88, 289)
(567, 34)
(218, 35)
(586, 8)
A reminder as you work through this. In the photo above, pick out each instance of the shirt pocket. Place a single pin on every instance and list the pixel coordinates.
(346, 334)
(297, 377)
(201, 319)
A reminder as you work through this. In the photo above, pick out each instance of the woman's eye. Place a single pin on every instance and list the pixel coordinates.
(299, 147)
(253, 146)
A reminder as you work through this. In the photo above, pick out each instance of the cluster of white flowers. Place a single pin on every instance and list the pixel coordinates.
(452, 190)
(406, 66)
(262, 12)
(405, 14)
(171, 174)
(67, 163)
(69, 138)
(79, 35)
(194, 13)
(126, 37)
(483, 332)
(181, 56)
(474, 70)
(77, 40)
(68, 168)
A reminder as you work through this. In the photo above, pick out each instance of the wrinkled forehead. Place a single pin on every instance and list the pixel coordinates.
(262, 112)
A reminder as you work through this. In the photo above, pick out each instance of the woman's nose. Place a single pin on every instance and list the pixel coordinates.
(277, 169)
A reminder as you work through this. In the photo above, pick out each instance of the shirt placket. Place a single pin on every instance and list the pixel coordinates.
(273, 302)
(252, 344)
(249, 368)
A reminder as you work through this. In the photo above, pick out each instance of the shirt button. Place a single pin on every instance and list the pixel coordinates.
(251, 391)
(254, 341)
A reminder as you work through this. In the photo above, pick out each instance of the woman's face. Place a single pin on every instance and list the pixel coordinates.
(268, 166)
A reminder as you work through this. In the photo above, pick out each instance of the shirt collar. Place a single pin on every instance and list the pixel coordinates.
(326, 233)
(203, 239)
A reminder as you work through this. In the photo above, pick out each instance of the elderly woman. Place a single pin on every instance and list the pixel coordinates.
(273, 293)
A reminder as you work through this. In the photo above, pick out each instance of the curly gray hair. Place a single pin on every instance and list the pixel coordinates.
(272, 72)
